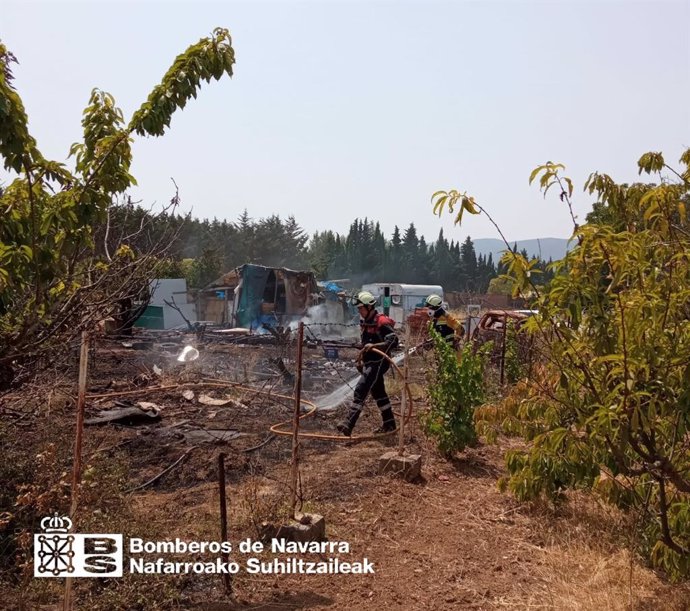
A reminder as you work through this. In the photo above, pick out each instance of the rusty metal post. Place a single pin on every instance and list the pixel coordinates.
(78, 441)
(295, 419)
(403, 401)
(503, 347)
(227, 582)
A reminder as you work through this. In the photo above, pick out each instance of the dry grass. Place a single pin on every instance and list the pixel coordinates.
(583, 562)
(579, 578)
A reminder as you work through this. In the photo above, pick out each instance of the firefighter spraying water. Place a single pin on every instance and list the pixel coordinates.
(377, 331)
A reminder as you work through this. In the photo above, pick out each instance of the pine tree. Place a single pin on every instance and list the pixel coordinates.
(395, 258)
(425, 264)
(468, 262)
(443, 262)
(379, 248)
(245, 250)
(410, 252)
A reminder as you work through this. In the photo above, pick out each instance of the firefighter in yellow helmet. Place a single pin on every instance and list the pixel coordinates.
(445, 324)
(377, 332)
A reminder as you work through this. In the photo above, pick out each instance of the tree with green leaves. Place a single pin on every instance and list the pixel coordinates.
(52, 283)
(609, 408)
(204, 269)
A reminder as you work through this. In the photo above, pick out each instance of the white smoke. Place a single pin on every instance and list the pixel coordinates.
(328, 321)
(325, 320)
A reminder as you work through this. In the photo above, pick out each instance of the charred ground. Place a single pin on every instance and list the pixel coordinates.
(449, 540)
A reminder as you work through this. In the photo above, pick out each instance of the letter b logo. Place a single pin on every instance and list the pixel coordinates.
(100, 555)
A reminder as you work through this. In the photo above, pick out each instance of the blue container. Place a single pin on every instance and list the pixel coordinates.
(330, 353)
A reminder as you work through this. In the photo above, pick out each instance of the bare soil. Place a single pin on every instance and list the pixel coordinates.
(449, 540)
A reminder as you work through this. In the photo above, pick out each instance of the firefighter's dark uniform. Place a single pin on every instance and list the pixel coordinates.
(376, 329)
(446, 325)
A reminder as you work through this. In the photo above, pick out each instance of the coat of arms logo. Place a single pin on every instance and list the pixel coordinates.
(58, 552)
(55, 546)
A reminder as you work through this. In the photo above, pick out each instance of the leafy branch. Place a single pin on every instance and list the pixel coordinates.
(54, 278)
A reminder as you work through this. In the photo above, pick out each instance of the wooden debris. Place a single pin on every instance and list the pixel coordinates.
(206, 400)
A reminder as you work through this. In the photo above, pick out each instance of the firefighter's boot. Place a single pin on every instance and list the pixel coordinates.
(388, 418)
(346, 426)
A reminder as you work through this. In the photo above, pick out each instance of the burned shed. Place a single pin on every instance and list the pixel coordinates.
(251, 296)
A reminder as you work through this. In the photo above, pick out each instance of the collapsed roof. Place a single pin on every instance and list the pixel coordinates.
(256, 290)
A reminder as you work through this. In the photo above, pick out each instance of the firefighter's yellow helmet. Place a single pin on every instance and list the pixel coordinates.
(433, 301)
(364, 298)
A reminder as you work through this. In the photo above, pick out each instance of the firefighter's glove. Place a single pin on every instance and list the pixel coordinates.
(367, 347)
(359, 364)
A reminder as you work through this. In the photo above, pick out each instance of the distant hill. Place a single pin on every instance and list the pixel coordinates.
(554, 248)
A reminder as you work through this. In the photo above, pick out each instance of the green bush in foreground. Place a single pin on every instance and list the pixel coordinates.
(455, 388)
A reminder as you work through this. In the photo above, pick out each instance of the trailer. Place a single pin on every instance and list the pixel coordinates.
(400, 300)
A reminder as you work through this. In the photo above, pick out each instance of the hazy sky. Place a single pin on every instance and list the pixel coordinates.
(340, 110)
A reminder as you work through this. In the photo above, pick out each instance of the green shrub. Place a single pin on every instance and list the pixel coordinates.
(455, 388)
(514, 367)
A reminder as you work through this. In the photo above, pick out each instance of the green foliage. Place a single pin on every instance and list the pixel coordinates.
(456, 388)
(521, 272)
(105, 156)
(52, 277)
(16, 145)
(610, 408)
(513, 364)
(170, 268)
(501, 285)
(204, 269)
(210, 58)
(550, 176)
(452, 199)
